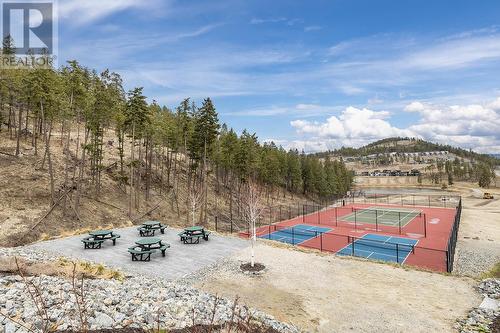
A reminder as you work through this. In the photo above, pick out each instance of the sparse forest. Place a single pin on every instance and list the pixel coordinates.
(156, 145)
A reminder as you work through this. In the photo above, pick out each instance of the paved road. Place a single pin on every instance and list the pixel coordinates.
(181, 259)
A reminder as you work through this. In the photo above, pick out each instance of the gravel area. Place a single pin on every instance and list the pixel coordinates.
(326, 293)
(473, 259)
(481, 318)
(136, 302)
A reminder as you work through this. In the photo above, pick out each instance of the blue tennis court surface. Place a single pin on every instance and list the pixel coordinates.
(295, 235)
(379, 247)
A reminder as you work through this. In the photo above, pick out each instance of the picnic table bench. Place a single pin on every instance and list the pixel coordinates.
(145, 247)
(148, 228)
(192, 235)
(97, 237)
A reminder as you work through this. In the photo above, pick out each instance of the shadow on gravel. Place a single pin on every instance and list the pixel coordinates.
(192, 329)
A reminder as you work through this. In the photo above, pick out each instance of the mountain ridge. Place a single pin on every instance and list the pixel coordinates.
(409, 145)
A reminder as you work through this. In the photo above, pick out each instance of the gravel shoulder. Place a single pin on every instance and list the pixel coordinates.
(325, 293)
(478, 246)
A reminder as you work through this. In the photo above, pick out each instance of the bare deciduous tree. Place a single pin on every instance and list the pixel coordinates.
(195, 198)
(252, 208)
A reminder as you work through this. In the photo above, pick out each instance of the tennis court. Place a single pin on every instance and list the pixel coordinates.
(382, 216)
(380, 247)
(296, 234)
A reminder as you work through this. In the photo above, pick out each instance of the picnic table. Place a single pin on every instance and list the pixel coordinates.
(148, 228)
(97, 237)
(145, 247)
(192, 235)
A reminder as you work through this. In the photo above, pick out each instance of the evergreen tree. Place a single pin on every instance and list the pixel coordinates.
(206, 127)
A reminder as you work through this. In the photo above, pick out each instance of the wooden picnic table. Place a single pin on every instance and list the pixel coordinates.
(101, 234)
(148, 228)
(147, 246)
(97, 237)
(194, 230)
(149, 243)
(151, 224)
(192, 235)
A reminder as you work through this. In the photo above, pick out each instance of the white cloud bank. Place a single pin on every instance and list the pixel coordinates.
(85, 11)
(469, 126)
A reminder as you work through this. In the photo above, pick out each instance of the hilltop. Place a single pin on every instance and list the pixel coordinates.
(409, 145)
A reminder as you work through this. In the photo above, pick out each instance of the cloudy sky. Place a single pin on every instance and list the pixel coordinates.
(313, 75)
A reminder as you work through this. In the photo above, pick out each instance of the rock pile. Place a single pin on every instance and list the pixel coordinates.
(480, 319)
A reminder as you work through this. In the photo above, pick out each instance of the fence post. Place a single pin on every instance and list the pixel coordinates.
(376, 219)
(321, 242)
(397, 253)
(216, 223)
(231, 226)
(336, 217)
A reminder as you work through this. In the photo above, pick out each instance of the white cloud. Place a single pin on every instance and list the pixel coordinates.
(267, 20)
(475, 126)
(356, 125)
(302, 109)
(312, 28)
(85, 11)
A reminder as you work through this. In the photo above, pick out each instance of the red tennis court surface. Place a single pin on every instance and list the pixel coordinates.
(431, 226)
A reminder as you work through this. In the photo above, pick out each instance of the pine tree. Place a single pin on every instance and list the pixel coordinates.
(206, 127)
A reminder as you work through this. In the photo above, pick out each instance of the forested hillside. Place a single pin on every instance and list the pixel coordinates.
(89, 137)
(410, 145)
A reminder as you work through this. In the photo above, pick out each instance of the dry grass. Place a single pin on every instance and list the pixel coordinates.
(61, 267)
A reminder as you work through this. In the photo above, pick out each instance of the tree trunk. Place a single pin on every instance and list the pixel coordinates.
(19, 129)
(47, 152)
(131, 171)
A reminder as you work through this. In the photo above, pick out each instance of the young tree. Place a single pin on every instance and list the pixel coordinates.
(253, 210)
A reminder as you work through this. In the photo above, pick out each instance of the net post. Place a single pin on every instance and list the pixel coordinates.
(321, 242)
(303, 214)
(293, 236)
(399, 213)
(355, 220)
(352, 246)
(425, 225)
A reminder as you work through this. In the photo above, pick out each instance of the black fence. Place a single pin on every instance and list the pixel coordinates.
(452, 242)
(433, 200)
(330, 213)
(329, 241)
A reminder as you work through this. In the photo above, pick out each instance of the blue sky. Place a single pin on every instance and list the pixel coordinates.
(308, 74)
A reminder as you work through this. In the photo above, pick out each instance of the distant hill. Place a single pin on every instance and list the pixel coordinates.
(409, 145)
